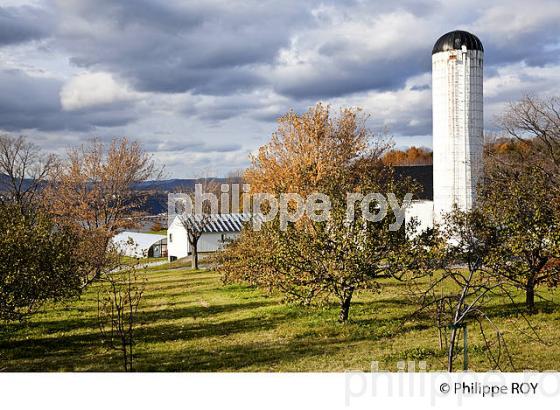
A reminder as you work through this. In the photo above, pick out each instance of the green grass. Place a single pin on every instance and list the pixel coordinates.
(189, 321)
(127, 260)
(160, 232)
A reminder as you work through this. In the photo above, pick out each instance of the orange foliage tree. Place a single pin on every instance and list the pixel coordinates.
(93, 192)
(410, 156)
(312, 261)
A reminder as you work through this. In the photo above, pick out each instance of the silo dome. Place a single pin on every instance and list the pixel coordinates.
(454, 40)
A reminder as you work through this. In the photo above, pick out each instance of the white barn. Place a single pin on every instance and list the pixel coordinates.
(221, 229)
(140, 245)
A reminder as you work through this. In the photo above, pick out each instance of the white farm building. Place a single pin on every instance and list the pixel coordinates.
(221, 229)
(140, 245)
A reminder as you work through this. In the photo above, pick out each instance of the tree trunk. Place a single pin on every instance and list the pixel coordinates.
(194, 257)
(530, 295)
(451, 350)
(345, 305)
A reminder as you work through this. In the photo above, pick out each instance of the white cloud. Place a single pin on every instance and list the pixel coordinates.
(94, 89)
(513, 80)
(344, 44)
(509, 20)
(405, 111)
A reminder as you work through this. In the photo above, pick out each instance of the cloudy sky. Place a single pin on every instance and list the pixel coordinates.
(200, 83)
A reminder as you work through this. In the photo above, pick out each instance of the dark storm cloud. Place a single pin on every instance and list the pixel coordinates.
(33, 103)
(21, 24)
(340, 78)
(223, 108)
(423, 126)
(530, 47)
(211, 81)
(171, 47)
(163, 14)
(217, 49)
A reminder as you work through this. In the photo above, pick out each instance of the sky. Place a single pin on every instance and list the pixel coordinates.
(201, 83)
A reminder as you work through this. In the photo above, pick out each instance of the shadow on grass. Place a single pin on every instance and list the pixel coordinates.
(247, 356)
(144, 317)
(67, 351)
(509, 309)
(61, 353)
(203, 329)
(268, 355)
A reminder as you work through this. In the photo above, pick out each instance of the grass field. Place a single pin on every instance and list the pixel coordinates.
(189, 321)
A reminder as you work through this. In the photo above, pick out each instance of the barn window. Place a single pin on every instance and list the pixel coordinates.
(170, 237)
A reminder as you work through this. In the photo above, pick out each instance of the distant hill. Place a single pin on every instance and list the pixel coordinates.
(6, 184)
(173, 185)
(155, 192)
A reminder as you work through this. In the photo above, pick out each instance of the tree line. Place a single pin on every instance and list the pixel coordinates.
(409, 156)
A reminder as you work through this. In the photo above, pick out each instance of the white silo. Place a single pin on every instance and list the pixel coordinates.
(457, 60)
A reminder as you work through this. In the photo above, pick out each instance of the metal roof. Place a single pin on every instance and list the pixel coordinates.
(218, 223)
(454, 40)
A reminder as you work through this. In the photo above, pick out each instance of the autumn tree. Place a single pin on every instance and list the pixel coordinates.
(156, 227)
(521, 204)
(311, 260)
(93, 191)
(521, 194)
(38, 262)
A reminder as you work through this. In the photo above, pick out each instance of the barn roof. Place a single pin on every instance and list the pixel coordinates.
(219, 223)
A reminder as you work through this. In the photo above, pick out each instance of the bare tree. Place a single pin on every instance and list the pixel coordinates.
(24, 171)
(460, 286)
(119, 296)
(536, 122)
